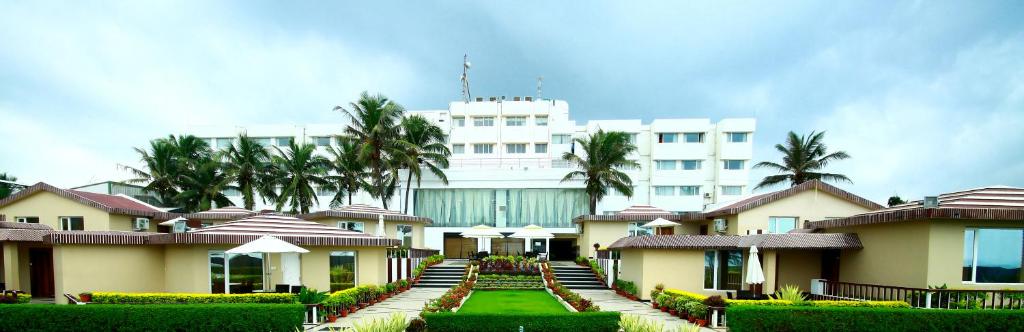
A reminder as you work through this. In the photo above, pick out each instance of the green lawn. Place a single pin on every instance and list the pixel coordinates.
(511, 301)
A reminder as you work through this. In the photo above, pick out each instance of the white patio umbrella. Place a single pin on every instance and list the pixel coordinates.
(289, 255)
(754, 273)
(533, 232)
(481, 232)
(659, 223)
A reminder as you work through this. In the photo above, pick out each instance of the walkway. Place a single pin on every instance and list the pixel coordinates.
(609, 301)
(410, 302)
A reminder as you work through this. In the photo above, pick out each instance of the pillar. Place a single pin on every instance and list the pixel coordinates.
(12, 277)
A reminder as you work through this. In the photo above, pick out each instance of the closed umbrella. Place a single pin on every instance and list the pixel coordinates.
(754, 273)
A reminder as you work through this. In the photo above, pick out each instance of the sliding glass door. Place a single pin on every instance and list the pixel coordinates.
(239, 273)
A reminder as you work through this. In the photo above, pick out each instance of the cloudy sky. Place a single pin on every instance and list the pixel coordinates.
(927, 97)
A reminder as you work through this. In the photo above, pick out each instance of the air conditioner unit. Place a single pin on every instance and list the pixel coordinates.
(180, 226)
(141, 224)
(721, 225)
(931, 202)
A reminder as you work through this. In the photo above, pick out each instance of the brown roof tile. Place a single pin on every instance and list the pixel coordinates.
(763, 199)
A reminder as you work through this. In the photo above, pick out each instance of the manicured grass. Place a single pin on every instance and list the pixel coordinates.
(511, 301)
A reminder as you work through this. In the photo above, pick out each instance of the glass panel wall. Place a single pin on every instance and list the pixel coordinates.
(548, 208)
(217, 272)
(993, 255)
(404, 233)
(343, 270)
(245, 272)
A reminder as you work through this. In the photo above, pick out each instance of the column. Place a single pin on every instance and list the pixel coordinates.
(12, 277)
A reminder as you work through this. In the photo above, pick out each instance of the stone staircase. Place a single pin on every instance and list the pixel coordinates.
(577, 277)
(441, 276)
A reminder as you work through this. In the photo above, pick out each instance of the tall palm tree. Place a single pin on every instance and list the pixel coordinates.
(297, 170)
(161, 172)
(6, 189)
(375, 124)
(803, 159)
(350, 171)
(193, 150)
(605, 154)
(426, 149)
(204, 187)
(247, 163)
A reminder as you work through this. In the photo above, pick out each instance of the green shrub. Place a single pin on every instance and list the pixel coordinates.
(790, 293)
(170, 317)
(20, 298)
(189, 298)
(636, 323)
(393, 323)
(805, 318)
(561, 322)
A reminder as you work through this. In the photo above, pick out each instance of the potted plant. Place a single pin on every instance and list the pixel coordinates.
(331, 318)
(661, 302)
(671, 304)
(85, 297)
(718, 302)
(681, 310)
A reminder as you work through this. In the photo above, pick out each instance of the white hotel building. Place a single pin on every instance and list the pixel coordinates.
(506, 166)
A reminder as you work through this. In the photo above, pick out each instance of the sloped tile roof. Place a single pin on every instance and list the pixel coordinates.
(284, 227)
(108, 203)
(677, 242)
(767, 198)
(987, 203)
(810, 241)
(364, 212)
(223, 213)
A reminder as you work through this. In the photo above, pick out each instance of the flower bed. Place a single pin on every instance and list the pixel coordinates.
(503, 281)
(11, 298)
(514, 265)
(189, 298)
(157, 317)
(626, 289)
(575, 300)
(453, 298)
(344, 302)
(426, 262)
(746, 318)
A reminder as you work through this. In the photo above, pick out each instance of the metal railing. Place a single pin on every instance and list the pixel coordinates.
(933, 298)
(401, 261)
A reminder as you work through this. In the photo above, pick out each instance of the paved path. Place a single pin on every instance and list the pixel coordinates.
(609, 301)
(410, 302)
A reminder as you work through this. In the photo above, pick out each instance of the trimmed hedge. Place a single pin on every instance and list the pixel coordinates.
(189, 298)
(176, 317)
(803, 318)
(561, 322)
(879, 304)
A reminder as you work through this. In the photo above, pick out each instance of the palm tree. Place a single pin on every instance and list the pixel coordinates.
(803, 158)
(427, 148)
(350, 171)
(6, 189)
(162, 170)
(193, 150)
(247, 163)
(375, 124)
(204, 187)
(606, 153)
(297, 171)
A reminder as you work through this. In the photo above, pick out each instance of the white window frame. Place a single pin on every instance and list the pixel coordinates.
(725, 164)
(460, 121)
(490, 148)
(774, 230)
(562, 138)
(682, 192)
(515, 121)
(24, 219)
(400, 237)
(541, 120)
(700, 137)
(634, 228)
(682, 164)
(345, 225)
(660, 195)
(658, 165)
(662, 140)
(483, 121)
(731, 139)
(738, 194)
(974, 259)
(714, 271)
(513, 148)
(458, 148)
(540, 148)
(67, 219)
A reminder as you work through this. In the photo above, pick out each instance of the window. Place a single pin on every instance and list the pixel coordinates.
(664, 191)
(542, 120)
(636, 230)
(668, 138)
(27, 220)
(458, 148)
(733, 164)
(356, 226)
(483, 121)
(732, 190)
(689, 190)
(224, 143)
(691, 165)
(483, 148)
(723, 269)
(232, 192)
(343, 270)
(693, 137)
(322, 141)
(460, 121)
(665, 165)
(561, 139)
(993, 255)
(515, 148)
(243, 273)
(283, 141)
(216, 271)
(404, 233)
(736, 137)
(540, 148)
(515, 121)
(263, 141)
(72, 223)
(632, 138)
(779, 225)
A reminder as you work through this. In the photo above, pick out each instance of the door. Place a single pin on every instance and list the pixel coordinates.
(455, 246)
(830, 265)
(562, 250)
(40, 262)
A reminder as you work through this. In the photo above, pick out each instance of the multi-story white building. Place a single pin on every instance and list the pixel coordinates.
(506, 167)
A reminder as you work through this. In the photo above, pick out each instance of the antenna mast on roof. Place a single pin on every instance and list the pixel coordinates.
(540, 86)
(466, 96)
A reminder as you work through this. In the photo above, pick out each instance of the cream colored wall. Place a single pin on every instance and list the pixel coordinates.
(370, 267)
(11, 265)
(796, 267)
(678, 269)
(80, 268)
(631, 268)
(49, 207)
(894, 254)
(601, 232)
(188, 267)
(946, 254)
(808, 205)
(390, 228)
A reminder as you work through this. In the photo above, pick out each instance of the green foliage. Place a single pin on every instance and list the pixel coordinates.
(426, 148)
(806, 318)
(349, 172)
(311, 296)
(696, 309)
(166, 164)
(297, 171)
(803, 159)
(247, 162)
(6, 189)
(604, 156)
(486, 322)
(426, 262)
(790, 293)
(189, 298)
(20, 298)
(635, 323)
(394, 323)
(504, 281)
(161, 318)
(375, 123)
(511, 301)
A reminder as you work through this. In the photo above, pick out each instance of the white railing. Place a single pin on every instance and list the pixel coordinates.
(508, 163)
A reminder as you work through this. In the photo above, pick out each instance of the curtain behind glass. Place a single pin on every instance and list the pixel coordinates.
(547, 208)
(456, 207)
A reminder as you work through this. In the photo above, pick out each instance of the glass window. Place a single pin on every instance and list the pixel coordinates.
(736, 137)
(283, 141)
(245, 272)
(483, 121)
(515, 148)
(690, 165)
(322, 141)
(540, 148)
(483, 148)
(208, 141)
(632, 137)
(404, 233)
(72, 223)
(693, 137)
(542, 120)
(458, 148)
(732, 190)
(460, 121)
(561, 139)
(665, 165)
(232, 192)
(636, 230)
(356, 226)
(779, 225)
(216, 272)
(689, 190)
(668, 138)
(730, 273)
(343, 270)
(733, 164)
(224, 143)
(709, 269)
(27, 220)
(515, 121)
(997, 255)
(664, 191)
(264, 141)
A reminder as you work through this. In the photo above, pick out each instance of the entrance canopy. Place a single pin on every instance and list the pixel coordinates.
(267, 244)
